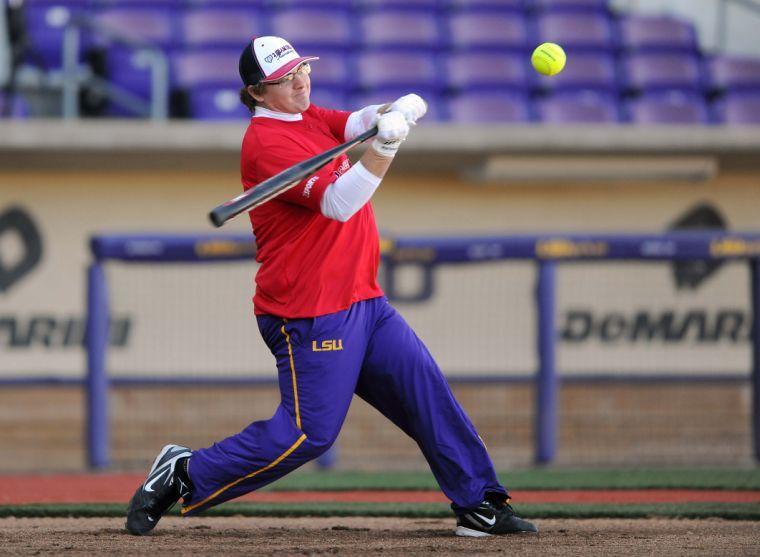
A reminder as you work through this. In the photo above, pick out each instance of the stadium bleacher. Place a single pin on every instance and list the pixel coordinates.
(668, 107)
(578, 107)
(621, 68)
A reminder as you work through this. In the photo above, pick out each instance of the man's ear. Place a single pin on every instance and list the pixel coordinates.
(252, 91)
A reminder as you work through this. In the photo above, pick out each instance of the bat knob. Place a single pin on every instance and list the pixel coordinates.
(216, 218)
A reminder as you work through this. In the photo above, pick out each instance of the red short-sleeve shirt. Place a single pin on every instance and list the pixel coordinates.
(310, 265)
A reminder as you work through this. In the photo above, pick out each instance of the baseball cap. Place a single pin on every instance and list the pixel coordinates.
(268, 59)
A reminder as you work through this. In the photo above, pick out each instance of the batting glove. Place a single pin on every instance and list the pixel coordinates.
(392, 129)
(412, 106)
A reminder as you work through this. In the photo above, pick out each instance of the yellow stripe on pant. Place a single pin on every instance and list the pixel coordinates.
(293, 376)
(272, 464)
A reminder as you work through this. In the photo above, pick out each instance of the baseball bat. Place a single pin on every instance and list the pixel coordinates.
(281, 182)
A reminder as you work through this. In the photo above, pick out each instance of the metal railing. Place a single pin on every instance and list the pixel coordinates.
(721, 20)
(719, 24)
(75, 77)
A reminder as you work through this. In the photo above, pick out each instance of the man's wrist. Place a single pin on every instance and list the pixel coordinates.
(386, 149)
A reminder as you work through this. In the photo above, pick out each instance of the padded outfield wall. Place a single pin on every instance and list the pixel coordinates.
(80, 184)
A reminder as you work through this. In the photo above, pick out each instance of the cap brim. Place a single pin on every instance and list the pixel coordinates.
(289, 67)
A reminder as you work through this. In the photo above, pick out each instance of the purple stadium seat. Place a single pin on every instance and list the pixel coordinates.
(206, 67)
(45, 23)
(237, 4)
(13, 106)
(569, 5)
(650, 71)
(429, 4)
(501, 4)
(333, 68)
(580, 107)
(131, 3)
(129, 69)
(657, 33)
(154, 25)
(488, 28)
(742, 108)
(219, 67)
(329, 97)
(576, 31)
(489, 108)
(585, 71)
(305, 27)
(400, 28)
(312, 4)
(474, 70)
(671, 107)
(71, 4)
(734, 72)
(220, 27)
(435, 105)
(376, 69)
(217, 104)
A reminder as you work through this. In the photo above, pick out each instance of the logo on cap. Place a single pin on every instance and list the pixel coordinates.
(279, 53)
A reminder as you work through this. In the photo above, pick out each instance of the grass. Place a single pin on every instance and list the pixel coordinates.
(727, 479)
(639, 478)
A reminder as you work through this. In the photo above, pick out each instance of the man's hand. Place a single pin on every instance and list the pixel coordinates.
(392, 129)
(412, 106)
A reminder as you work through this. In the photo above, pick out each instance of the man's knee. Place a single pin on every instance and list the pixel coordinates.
(317, 445)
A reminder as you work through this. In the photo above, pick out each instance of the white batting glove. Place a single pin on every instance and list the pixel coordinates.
(412, 106)
(392, 129)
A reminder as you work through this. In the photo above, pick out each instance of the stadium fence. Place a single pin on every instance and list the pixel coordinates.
(509, 318)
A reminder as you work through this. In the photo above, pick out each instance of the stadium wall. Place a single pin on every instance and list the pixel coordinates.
(66, 207)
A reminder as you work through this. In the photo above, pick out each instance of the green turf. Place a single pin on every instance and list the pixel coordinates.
(732, 511)
(638, 478)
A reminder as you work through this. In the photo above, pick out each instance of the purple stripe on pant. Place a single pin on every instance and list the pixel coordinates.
(368, 350)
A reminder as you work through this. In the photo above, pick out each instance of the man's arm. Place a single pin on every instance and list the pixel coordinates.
(349, 193)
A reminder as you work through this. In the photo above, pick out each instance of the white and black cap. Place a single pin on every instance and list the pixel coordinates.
(267, 59)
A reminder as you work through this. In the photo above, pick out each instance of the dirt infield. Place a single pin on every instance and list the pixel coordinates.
(373, 536)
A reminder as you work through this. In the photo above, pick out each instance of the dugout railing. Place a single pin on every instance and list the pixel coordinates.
(427, 255)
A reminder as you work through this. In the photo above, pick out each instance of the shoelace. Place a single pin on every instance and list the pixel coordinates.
(501, 507)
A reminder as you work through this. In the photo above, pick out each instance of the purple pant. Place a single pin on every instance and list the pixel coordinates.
(368, 350)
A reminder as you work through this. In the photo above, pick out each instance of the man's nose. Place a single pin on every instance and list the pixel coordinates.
(299, 81)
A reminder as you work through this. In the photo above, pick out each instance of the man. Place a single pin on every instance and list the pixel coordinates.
(324, 317)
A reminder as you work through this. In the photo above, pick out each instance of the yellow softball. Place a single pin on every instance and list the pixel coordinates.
(548, 59)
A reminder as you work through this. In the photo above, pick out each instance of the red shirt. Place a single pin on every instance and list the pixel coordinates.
(310, 265)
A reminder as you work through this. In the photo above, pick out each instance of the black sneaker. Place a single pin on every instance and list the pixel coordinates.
(161, 490)
(491, 519)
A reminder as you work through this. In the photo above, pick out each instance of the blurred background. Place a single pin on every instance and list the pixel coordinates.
(121, 117)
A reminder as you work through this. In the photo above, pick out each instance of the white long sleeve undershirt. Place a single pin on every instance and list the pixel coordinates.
(349, 193)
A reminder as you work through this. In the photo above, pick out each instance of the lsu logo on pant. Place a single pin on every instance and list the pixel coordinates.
(327, 345)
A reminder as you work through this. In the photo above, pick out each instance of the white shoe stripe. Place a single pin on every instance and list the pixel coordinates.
(156, 472)
(470, 533)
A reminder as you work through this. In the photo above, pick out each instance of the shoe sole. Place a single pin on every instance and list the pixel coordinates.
(466, 532)
(470, 533)
(136, 531)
